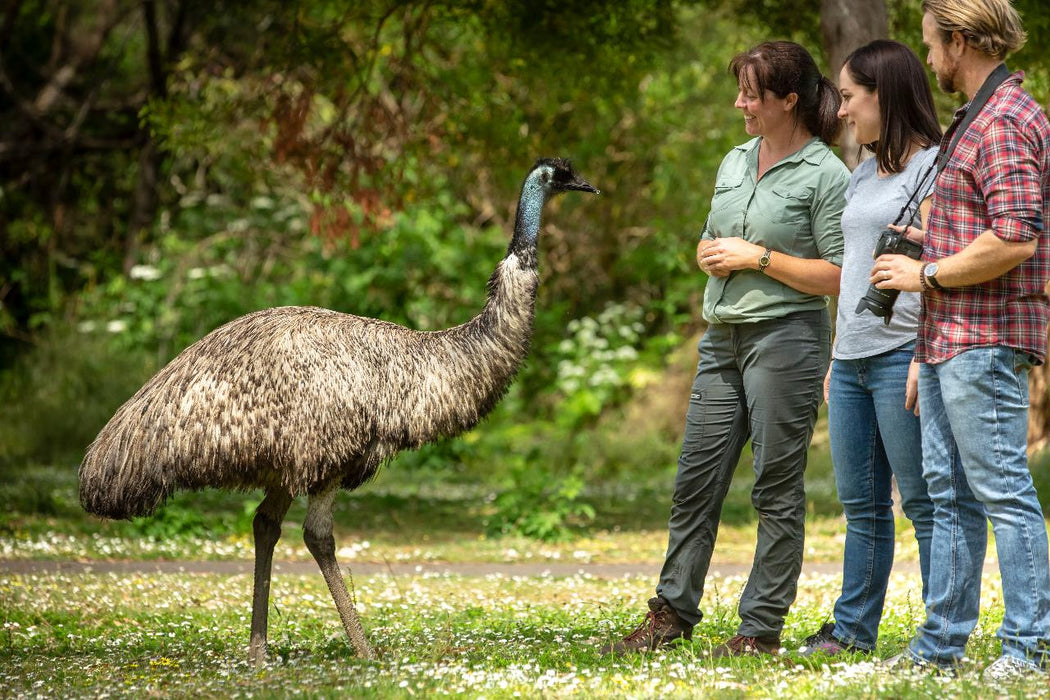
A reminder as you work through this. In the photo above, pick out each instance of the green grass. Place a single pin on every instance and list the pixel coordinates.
(186, 635)
(134, 634)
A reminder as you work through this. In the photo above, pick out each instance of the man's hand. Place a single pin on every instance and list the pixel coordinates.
(896, 272)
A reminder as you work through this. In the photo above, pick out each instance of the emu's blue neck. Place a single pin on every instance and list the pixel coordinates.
(527, 222)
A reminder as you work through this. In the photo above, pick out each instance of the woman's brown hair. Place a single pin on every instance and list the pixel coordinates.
(784, 67)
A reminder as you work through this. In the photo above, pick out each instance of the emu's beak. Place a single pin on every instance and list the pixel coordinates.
(581, 185)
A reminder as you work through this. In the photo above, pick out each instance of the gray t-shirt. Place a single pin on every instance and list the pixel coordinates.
(872, 202)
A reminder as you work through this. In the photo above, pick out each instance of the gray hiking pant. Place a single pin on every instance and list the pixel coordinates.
(764, 382)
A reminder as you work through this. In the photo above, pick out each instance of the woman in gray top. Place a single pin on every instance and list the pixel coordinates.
(871, 390)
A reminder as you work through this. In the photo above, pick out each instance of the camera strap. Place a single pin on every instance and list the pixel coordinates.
(955, 133)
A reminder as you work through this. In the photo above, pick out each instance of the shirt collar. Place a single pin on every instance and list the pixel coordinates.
(1016, 78)
(811, 152)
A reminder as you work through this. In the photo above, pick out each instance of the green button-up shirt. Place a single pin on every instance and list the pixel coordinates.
(796, 209)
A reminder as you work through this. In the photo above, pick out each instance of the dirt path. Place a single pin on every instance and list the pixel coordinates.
(524, 569)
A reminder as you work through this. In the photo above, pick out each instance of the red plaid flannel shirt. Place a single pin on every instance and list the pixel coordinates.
(998, 177)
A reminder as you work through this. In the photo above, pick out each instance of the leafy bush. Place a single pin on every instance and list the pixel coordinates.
(198, 515)
(54, 400)
(539, 504)
(595, 361)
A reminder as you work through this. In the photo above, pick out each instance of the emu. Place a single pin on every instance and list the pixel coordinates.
(303, 400)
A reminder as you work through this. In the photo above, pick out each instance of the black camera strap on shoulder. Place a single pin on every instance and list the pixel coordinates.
(955, 132)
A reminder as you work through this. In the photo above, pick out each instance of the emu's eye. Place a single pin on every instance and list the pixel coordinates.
(545, 177)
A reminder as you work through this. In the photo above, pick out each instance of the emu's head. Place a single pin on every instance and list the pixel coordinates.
(556, 175)
(548, 177)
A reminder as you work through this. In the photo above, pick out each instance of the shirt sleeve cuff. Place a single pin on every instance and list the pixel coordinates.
(1016, 230)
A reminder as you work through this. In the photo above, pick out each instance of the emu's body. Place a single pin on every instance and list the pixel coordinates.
(302, 400)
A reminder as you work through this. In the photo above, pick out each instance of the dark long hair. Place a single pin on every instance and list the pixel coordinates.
(784, 67)
(906, 109)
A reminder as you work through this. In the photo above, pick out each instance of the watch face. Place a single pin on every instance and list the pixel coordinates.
(930, 269)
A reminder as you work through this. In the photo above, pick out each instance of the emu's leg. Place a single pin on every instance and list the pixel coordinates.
(267, 529)
(317, 534)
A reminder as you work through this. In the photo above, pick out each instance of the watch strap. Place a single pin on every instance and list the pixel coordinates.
(932, 280)
(764, 261)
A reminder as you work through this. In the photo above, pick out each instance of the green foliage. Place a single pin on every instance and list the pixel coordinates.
(539, 504)
(38, 493)
(169, 522)
(248, 222)
(192, 518)
(54, 401)
(795, 19)
(594, 363)
(366, 157)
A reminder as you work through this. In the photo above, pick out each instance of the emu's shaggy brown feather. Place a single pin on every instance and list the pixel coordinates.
(294, 397)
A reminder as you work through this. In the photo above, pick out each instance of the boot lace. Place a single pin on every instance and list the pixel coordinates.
(742, 644)
(647, 630)
(824, 636)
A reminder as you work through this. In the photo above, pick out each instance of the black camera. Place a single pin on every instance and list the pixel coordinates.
(880, 301)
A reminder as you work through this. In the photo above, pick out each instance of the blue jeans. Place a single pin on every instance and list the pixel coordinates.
(873, 438)
(974, 427)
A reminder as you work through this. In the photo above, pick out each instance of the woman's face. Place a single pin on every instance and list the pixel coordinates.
(763, 114)
(860, 109)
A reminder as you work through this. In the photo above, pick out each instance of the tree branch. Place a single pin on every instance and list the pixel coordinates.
(85, 50)
(10, 13)
(158, 80)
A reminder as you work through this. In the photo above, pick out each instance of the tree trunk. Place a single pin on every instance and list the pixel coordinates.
(846, 25)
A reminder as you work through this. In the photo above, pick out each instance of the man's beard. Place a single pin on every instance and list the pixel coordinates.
(946, 78)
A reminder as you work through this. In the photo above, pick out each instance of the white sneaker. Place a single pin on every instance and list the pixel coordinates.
(1010, 668)
(905, 662)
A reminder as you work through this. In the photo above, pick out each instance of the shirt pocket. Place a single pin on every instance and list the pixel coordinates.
(727, 192)
(790, 205)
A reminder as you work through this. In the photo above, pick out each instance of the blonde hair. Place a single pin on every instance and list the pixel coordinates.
(991, 26)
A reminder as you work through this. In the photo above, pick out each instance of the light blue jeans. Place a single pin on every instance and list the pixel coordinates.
(974, 410)
(873, 438)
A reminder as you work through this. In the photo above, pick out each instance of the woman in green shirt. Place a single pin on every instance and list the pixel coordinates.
(772, 248)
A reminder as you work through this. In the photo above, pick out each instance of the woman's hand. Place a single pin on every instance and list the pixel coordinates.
(724, 255)
(701, 247)
(911, 390)
(912, 232)
(827, 382)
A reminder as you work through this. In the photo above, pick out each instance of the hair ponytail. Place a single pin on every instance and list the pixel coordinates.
(825, 118)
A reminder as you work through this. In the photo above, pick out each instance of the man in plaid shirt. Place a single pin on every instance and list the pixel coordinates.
(985, 265)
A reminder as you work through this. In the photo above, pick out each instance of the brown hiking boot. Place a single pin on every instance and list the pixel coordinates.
(747, 646)
(660, 627)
